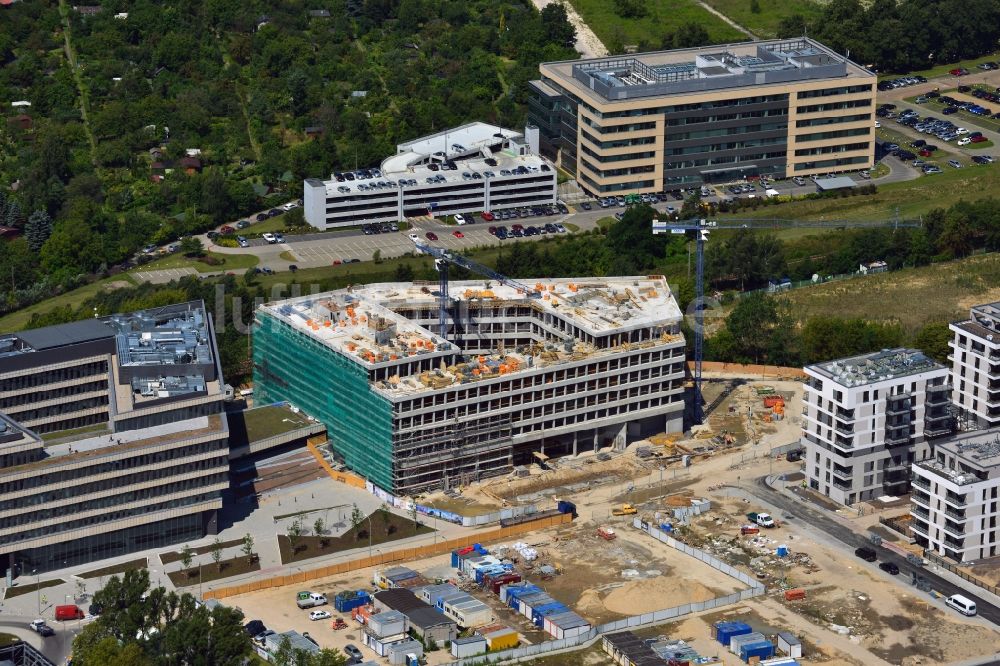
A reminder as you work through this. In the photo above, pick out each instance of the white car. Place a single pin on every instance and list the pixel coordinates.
(270, 238)
(290, 205)
(877, 124)
(319, 615)
(459, 219)
(415, 238)
(961, 130)
(964, 141)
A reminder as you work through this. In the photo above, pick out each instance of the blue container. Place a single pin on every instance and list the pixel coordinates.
(782, 551)
(565, 506)
(539, 614)
(348, 602)
(514, 594)
(726, 630)
(762, 649)
(666, 527)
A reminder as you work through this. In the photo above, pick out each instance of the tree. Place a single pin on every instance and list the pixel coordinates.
(13, 215)
(555, 21)
(631, 9)
(932, 339)
(386, 517)
(295, 535)
(192, 247)
(377, 256)
(691, 34)
(186, 558)
(755, 6)
(217, 553)
(413, 515)
(248, 547)
(319, 529)
(38, 229)
(295, 219)
(792, 26)
(750, 324)
(357, 517)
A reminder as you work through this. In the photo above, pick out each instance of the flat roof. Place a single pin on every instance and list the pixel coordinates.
(977, 448)
(835, 183)
(362, 323)
(459, 141)
(702, 69)
(875, 367)
(14, 436)
(62, 335)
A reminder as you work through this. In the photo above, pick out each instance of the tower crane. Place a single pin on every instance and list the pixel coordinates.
(701, 229)
(443, 259)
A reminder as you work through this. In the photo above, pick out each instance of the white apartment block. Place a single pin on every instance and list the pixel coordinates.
(954, 498)
(574, 365)
(468, 169)
(975, 367)
(865, 416)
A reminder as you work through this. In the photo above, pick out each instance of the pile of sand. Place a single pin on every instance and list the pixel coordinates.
(646, 596)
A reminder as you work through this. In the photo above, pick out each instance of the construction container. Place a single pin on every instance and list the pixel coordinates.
(468, 646)
(387, 623)
(403, 654)
(431, 593)
(725, 631)
(511, 594)
(795, 595)
(468, 611)
(499, 637)
(737, 642)
(565, 625)
(345, 602)
(565, 506)
(779, 661)
(789, 644)
(528, 602)
(759, 649)
(539, 613)
(495, 582)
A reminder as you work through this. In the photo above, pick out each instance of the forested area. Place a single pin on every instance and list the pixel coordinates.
(197, 112)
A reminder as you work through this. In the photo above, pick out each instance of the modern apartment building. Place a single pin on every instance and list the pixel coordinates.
(573, 365)
(954, 502)
(113, 437)
(658, 121)
(975, 368)
(468, 169)
(864, 419)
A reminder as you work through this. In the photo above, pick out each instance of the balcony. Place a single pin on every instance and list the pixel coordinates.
(953, 514)
(896, 438)
(955, 500)
(921, 482)
(920, 528)
(958, 544)
(919, 498)
(954, 530)
(844, 429)
(844, 473)
(921, 512)
(843, 485)
(844, 414)
(897, 408)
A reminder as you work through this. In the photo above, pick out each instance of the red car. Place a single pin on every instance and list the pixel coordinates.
(492, 230)
(977, 139)
(458, 234)
(517, 227)
(925, 153)
(487, 216)
(227, 230)
(431, 235)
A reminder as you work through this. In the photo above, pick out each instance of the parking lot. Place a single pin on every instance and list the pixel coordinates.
(163, 276)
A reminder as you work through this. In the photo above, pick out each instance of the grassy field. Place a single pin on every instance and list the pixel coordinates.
(765, 22)
(116, 569)
(913, 198)
(664, 16)
(912, 297)
(31, 587)
(16, 321)
(943, 69)
(228, 263)
(175, 555)
(398, 527)
(209, 572)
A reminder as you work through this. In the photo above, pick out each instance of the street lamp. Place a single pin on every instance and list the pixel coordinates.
(38, 591)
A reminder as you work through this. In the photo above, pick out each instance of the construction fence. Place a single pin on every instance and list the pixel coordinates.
(755, 589)
(775, 371)
(403, 554)
(313, 444)
(965, 575)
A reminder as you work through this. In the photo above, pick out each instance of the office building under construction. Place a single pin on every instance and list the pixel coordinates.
(574, 365)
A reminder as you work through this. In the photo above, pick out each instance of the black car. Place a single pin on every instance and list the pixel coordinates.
(867, 554)
(562, 209)
(95, 609)
(585, 205)
(260, 217)
(889, 568)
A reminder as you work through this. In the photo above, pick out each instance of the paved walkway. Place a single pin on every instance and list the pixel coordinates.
(712, 10)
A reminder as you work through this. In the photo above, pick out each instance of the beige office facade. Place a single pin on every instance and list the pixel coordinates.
(658, 121)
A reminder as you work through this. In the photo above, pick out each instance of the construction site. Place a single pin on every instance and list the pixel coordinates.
(516, 374)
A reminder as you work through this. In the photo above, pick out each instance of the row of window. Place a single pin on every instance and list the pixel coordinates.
(835, 134)
(826, 164)
(46, 477)
(724, 159)
(625, 143)
(31, 397)
(826, 150)
(684, 108)
(729, 131)
(616, 188)
(587, 150)
(724, 117)
(833, 120)
(111, 501)
(58, 409)
(732, 145)
(835, 106)
(611, 173)
(830, 92)
(108, 516)
(613, 129)
(22, 382)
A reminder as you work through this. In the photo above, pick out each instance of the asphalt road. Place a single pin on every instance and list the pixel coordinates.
(803, 510)
(56, 648)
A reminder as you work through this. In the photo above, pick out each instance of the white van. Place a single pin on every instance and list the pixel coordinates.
(963, 605)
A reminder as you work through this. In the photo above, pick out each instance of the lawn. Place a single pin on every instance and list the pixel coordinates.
(913, 198)
(31, 587)
(664, 17)
(943, 69)
(8, 639)
(212, 571)
(398, 527)
(116, 569)
(175, 555)
(227, 262)
(16, 321)
(253, 425)
(76, 433)
(764, 23)
(912, 296)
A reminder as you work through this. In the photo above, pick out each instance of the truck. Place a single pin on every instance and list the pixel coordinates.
(624, 510)
(309, 599)
(606, 533)
(41, 628)
(762, 519)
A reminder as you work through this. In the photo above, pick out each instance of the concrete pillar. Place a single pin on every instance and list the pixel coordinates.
(574, 442)
(595, 440)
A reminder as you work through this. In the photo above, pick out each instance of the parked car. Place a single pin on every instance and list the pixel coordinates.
(430, 235)
(889, 568)
(319, 615)
(243, 224)
(867, 554)
(458, 234)
(270, 238)
(459, 219)
(226, 230)
(487, 216)
(585, 205)
(352, 651)
(279, 237)
(955, 164)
